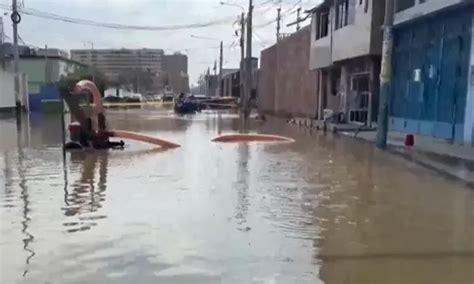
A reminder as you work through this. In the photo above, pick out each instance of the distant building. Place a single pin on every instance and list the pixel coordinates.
(230, 83)
(175, 68)
(121, 64)
(211, 82)
(41, 70)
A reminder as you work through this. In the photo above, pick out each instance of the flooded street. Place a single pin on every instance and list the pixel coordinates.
(324, 209)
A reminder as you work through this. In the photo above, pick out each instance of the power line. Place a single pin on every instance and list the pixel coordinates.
(56, 17)
(285, 13)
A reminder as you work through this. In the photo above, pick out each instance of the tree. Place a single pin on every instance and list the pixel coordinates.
(66, 83)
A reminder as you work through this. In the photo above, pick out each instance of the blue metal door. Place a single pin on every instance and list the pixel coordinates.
(430, 70)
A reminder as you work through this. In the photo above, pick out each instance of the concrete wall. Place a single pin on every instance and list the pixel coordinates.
(422, 9)
(7, 90)
(320, 50)
(353, 40)
(361, 37)
(287, 86)
(266, 88)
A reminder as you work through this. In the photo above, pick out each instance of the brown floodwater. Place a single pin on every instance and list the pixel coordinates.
(324, 209)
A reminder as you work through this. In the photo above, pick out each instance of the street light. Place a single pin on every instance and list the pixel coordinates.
(234, 5)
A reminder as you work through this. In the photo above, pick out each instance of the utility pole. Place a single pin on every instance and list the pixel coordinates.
(298, 19)
(278, 23)
(242, 56)
(208, 81)
(46, 69)
(2, 35)
(1, 30)
(16, 18)
(221, 61)
(248, 69)
(385, 76)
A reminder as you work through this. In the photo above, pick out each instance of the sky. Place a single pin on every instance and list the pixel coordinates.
(201, 52)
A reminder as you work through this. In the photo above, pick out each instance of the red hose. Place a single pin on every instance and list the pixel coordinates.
(251, 138)
(143, 138)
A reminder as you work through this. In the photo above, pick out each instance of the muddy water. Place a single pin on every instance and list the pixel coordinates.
(324, 209)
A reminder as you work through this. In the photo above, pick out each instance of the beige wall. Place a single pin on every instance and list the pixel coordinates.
(287, 86)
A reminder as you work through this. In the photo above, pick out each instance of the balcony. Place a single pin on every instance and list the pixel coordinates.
(407, 10)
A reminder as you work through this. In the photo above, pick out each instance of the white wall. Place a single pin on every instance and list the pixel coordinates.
(7, 90)
(320, 51)
(469, 119)
(112, 92)
(353, 40)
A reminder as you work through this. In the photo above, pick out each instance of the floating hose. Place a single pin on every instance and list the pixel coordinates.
(229, 138)
(143, 138)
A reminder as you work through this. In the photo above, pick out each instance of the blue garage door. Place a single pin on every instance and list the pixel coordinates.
(430, 72)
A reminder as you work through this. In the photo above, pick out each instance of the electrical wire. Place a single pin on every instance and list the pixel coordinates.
(56, 17)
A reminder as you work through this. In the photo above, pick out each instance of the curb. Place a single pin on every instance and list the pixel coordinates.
(446, 165)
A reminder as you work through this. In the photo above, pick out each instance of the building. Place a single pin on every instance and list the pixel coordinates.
(139, 67)
(41, 70)
(231, 83)
(433, 69)
(346, 46)
(38, 68)
(175, 68)
(287, 87)
(211, 82)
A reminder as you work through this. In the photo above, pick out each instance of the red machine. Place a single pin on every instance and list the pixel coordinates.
(88, 127)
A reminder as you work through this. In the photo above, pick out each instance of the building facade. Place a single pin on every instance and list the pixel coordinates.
(175, 68)
(120, 62)
(346, 47)
(230, 83)
(433, 69)
(41, 70)
(287, 86)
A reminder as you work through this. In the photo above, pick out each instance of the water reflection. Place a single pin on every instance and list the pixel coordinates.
(242, 185)
(24, 195)
(85, 195)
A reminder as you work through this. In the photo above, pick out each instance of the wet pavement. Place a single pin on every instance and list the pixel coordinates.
(324, 209)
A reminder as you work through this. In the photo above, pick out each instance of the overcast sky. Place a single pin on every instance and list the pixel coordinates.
(201, 53)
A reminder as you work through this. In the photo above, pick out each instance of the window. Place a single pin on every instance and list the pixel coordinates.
(322, 24)
(401, 5)
(344, 11)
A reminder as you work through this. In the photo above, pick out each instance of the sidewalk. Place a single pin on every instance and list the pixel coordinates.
(455, 160)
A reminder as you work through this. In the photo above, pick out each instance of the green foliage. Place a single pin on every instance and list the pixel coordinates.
(67, 83)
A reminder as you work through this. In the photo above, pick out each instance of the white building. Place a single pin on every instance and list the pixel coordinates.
(113, 62)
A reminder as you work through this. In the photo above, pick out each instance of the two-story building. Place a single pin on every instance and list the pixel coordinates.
(433, 69)
(346, 47)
